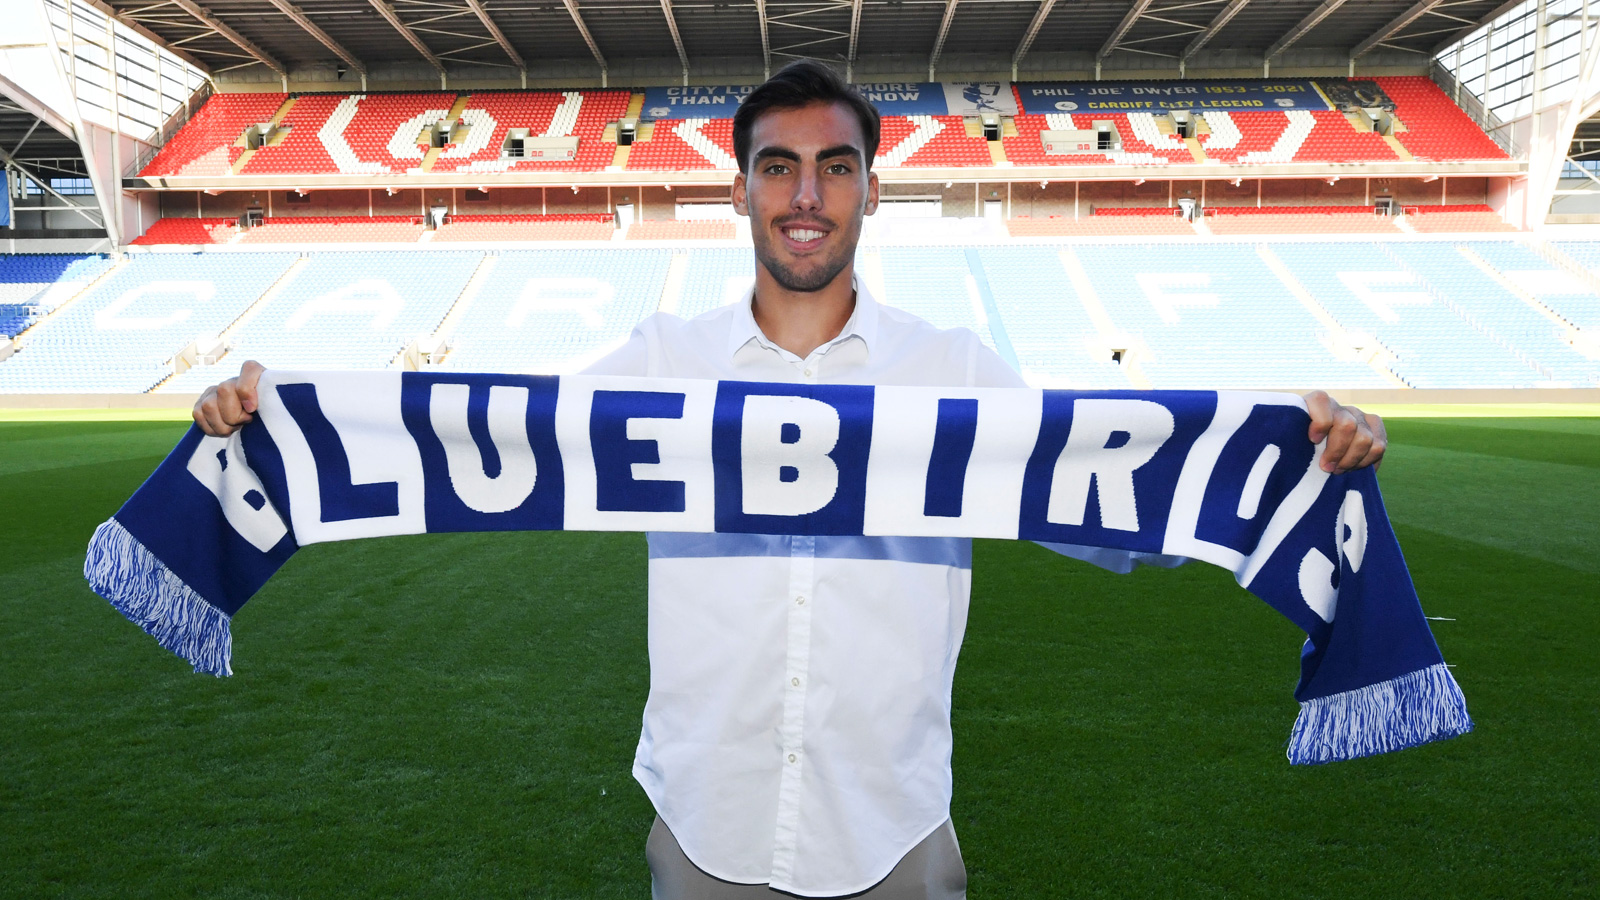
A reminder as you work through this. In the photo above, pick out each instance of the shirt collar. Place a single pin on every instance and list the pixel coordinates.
(863, 322)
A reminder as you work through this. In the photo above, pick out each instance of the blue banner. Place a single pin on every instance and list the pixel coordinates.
(1235, 95)
(5, 199)
(906, 98)
(892, 98)
(717, 101)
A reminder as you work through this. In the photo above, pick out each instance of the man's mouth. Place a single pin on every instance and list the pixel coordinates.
(803, 236)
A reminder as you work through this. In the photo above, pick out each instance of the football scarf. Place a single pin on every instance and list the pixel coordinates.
(1225, 477)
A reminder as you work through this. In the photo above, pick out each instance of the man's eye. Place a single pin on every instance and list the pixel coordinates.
(839, 169)
(777, 169)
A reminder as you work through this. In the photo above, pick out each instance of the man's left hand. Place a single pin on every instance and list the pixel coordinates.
(1355, 439)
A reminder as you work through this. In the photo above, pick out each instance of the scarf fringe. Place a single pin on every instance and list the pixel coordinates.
(1414, 709)
(139, 586)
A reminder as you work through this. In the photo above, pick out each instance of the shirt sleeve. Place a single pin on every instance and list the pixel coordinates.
(632, 358)
(990, 371)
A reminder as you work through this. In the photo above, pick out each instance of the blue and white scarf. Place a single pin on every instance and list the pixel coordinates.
(1225, 477)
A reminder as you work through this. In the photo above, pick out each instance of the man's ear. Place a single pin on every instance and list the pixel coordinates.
(739, 198)
(872, 193)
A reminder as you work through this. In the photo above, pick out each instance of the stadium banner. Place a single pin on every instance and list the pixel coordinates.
(974, 98)
(1230, 478)
(910, 98)
(5, 200)
(896, 98)
(1233, 95)
(714, 101)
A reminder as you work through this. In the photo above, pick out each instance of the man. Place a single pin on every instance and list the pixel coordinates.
(797, 733)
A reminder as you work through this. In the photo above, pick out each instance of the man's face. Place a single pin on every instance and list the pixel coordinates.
(805, 193)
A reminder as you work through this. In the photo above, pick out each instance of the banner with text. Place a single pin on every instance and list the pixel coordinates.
(892, 98)
(1239, 95)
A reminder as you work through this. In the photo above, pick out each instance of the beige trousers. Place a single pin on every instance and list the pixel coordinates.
(933, 870)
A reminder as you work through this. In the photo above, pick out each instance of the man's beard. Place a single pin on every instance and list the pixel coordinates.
(808, 282)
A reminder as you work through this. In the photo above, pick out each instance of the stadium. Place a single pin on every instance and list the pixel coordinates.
(1395, 201)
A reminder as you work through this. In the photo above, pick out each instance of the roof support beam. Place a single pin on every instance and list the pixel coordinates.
(44, 185)
(577, 19)
(499, 36)
(944, 31)
(1417, 11)
(393, 18)
(1493, 14)
(1026, 44)
(855, 33)
(1301, 28)
(133, 24)
(1121, 31)
(1204, 37)
(766, 42)
(677, 39)
(239, 40)
(299, 18)
(36, 107)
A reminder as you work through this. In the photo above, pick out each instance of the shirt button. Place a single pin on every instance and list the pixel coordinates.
(795, 682)
(808, 373)
(793, 758)
(799, 601)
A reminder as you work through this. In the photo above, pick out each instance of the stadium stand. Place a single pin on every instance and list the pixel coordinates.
(1564, 294)
(929, 142)
(1435, 128)
(1368, 290)
(370, 133)
(34, 284)
(335, 230)
(1183, 314)
(188, 231)
(378, 132)
(682, 145)
(1054, 339)
(682, 231)
(344, 310)
(1214, 316)
(1579, 306)
(1453, 219)
(491, 115)
(556, 310)
(561, 227)
(713, 277)
(301, 151)
(1297, 220)
(1499, 314)
(119, 336)
(1333, 139)
(1115, 222)
(936, 284)
(206, 144)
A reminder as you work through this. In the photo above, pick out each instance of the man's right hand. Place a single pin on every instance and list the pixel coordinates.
(225, 408)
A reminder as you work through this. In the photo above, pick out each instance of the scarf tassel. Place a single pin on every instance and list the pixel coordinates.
(1425, 705)
(140, 587)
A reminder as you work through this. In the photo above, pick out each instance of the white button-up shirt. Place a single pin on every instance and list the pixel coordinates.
(797, 731)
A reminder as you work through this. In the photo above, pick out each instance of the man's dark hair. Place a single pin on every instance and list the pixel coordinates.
(802, 83)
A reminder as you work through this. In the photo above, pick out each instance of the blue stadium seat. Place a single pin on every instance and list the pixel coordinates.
(553, 311)
(118, 337)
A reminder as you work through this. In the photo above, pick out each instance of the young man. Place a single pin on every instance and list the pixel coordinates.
(797, 733)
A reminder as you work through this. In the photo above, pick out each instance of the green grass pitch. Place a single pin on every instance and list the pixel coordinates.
(455, 716)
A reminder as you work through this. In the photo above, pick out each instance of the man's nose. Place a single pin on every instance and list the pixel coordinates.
(807, 197)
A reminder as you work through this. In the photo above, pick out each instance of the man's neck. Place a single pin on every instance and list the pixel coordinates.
(800, 322)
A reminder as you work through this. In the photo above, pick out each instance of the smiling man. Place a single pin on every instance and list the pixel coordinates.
(797, 734)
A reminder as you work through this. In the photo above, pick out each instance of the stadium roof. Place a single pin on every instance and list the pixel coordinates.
(710, 40)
